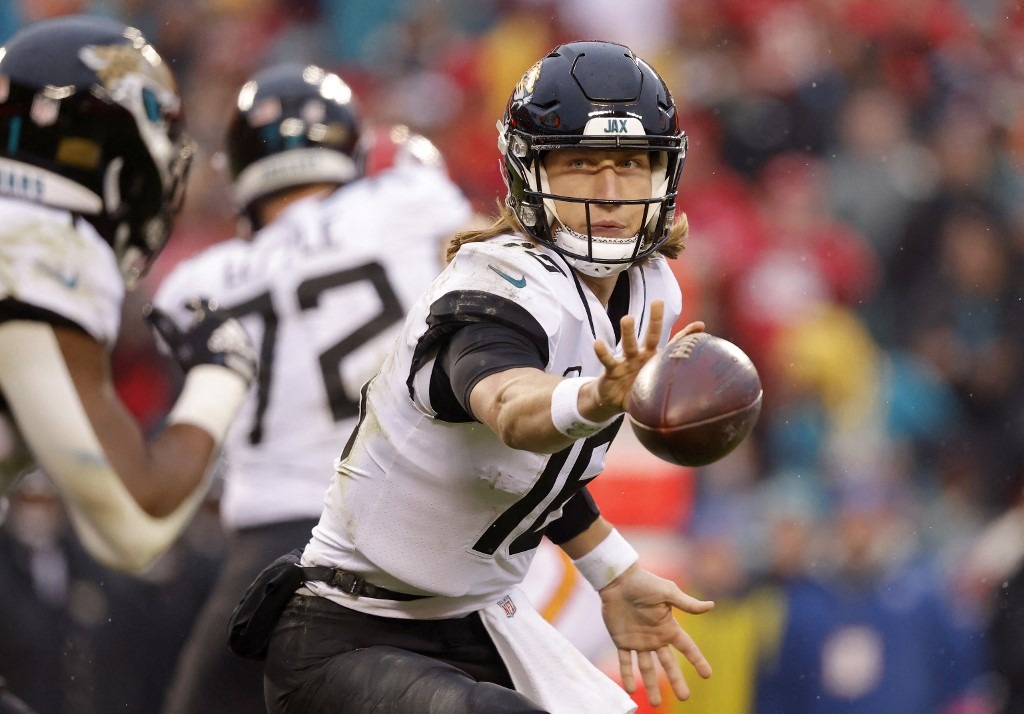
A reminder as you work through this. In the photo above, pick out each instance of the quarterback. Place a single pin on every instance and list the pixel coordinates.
(491, 413)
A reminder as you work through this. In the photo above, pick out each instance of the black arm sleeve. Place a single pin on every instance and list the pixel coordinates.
(578, 514)
(475, 351)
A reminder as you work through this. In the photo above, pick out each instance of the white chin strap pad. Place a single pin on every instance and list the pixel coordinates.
(604, 248)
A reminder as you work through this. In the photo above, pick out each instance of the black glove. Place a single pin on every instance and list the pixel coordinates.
(214, 337)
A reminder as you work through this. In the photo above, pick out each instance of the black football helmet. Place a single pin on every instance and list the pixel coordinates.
(294, 125)
(600, 95)
(91, 121)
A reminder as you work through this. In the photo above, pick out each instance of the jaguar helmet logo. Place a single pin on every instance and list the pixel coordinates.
(114, 63)
(136, 77)
(526, 84)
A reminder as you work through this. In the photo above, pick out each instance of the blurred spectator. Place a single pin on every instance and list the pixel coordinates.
(965, 318)
(879, 634)
(71, 628)
(879, 170)
(804, 259)
(725, 234)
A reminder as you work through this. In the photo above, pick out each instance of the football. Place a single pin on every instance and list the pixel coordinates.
(696, 400)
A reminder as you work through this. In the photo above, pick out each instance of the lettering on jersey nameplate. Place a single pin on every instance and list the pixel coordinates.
(21, 185)
(515, 282)
(508, 606)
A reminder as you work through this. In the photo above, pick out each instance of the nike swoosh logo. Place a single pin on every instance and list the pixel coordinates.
(68, 281)
(519, 283)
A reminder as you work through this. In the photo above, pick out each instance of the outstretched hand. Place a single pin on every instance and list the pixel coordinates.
(638, 611)
(612, 388)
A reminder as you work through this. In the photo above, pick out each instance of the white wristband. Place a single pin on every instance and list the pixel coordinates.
(608, 560)
(565, 412)
(210, 399)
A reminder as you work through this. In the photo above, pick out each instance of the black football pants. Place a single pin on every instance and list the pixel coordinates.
(327, 658)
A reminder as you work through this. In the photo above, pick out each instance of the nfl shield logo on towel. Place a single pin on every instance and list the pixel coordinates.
(508, 606)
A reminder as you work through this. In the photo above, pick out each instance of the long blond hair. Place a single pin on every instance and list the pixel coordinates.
(506, 222)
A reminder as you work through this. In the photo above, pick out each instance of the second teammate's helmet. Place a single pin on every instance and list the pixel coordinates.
(600, 95)
(293, 125)
(91, 122)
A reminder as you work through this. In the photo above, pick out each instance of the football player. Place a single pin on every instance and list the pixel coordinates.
(93, 161)
(491, 413)
(326, 268)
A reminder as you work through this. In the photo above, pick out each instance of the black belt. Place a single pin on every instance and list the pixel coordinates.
(353, 584)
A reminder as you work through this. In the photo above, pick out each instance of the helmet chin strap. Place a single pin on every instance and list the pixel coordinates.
(579, 244)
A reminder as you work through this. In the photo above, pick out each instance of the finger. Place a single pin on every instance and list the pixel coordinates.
(674, 673)
(604, 354)
(690, 329)
(689, 649)
(627, 328)
(626, 670)
(694, 327)
(687, 603)
(201, 307)
(201, 303)
(649, 675)
(654, 328)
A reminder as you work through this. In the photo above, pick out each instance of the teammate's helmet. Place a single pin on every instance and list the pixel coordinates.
(395, 145)
(91, 121)
(294, 125)
(600, 95)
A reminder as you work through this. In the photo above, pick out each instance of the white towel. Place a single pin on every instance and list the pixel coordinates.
(545, 666)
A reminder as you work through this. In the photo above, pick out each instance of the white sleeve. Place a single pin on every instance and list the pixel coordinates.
(42, 396)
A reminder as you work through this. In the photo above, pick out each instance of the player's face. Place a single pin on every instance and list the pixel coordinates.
(603, 174)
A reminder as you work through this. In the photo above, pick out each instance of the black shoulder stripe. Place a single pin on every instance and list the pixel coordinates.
(362, 417)
(618, 305)
(583, 298)
(462, 307)
(11, 310)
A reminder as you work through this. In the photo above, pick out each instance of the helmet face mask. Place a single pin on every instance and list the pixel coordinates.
(91, 119)
(600, 96)
(294, 125)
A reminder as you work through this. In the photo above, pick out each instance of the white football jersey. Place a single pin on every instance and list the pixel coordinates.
(564, 598)
(57, 264)
(426, 506)
(51, 260)
(322, 291)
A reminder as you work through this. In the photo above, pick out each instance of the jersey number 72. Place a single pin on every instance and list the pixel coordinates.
(308, 293)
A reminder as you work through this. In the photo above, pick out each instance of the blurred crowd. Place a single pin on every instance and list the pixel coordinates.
(855, 193)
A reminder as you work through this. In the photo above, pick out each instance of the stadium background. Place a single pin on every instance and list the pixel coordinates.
(855, 191)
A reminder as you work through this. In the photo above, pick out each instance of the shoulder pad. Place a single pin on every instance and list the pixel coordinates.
(517, 269)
